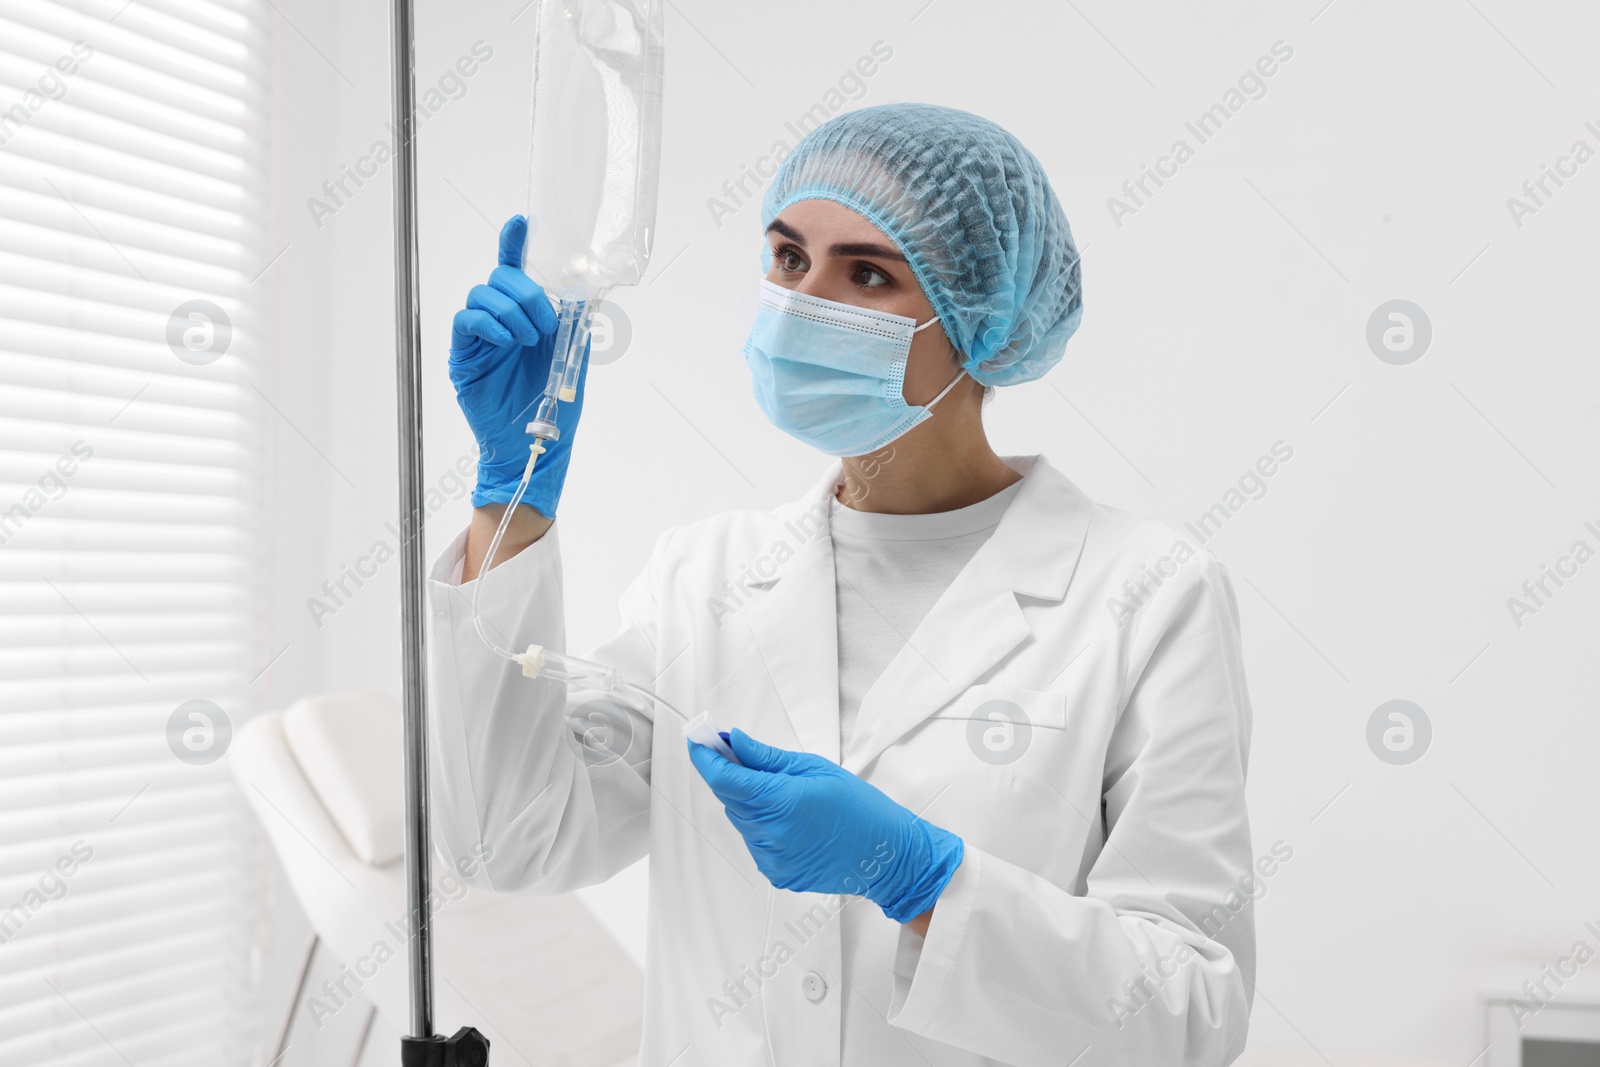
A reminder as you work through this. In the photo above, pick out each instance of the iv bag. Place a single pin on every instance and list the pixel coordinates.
(596, 148)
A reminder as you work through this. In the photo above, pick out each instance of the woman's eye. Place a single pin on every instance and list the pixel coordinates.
(870, 276)
(788, 260)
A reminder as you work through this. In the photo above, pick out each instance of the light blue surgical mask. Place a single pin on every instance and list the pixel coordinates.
(831, 374)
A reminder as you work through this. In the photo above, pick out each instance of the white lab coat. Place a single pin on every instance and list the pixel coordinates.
(1103, 901)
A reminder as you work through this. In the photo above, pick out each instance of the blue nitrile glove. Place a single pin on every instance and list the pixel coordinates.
(814, 827)
(501, 345)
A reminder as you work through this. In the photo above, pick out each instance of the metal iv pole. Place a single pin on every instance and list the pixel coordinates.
(421, 1047)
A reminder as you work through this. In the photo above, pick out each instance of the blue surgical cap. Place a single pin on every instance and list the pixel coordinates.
(973, 213)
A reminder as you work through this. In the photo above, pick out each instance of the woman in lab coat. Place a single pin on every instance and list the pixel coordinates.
(988, 801)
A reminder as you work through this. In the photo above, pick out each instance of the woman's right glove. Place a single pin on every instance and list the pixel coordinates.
(501, 346)
(814, 827)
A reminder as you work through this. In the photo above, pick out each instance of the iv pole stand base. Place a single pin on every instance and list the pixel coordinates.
(467, 1048)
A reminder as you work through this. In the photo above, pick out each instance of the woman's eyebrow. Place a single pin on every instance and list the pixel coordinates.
(868, 249)
(786, 230)
(877, 251)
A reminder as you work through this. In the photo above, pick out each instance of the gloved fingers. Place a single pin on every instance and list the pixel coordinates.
(771, 873)
(764, 757)
(512, 236)
(513, 457)
(762, 848)
(754, 831)
(472, 324)
(506, 310)
(733, 784)
(763, 863)
(529, 296)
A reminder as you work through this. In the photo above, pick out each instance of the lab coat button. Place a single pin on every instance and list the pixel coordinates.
(815, 988)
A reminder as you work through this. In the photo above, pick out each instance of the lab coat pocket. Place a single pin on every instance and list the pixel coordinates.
(1017, 780)
(1002, 722)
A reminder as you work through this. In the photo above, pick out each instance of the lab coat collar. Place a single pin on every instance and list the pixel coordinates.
(1041, 531)
(974, 624)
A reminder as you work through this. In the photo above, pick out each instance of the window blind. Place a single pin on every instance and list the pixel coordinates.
(131, 200)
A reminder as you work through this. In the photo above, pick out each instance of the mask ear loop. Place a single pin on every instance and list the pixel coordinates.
(943, 392)
(959, 374)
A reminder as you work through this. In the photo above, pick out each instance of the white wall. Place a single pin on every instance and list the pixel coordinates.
(1224, 315)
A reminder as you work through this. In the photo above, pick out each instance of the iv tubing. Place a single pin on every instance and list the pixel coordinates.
(534, 451)
(642, 693)
(612, 682)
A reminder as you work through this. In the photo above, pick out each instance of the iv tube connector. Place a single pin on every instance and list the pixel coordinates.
(543, 424)
(541, 662)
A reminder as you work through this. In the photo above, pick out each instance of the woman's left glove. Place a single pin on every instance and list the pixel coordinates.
(814, 827)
